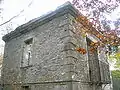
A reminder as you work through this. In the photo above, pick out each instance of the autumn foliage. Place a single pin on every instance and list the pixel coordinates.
(81, 50)
(105, 38)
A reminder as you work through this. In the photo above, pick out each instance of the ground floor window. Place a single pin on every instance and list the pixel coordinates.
(25, 88)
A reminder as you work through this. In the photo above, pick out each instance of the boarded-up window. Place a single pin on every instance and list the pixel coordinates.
(105, 73)
(27, 53)
(104, 66)
(98, 67)
(94, 69)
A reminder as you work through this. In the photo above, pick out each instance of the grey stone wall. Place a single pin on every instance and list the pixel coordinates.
(53, 56)
(48, 57)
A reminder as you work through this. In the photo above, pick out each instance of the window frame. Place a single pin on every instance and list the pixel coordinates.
(26, 43)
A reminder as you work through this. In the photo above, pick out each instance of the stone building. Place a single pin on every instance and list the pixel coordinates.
(41, 55)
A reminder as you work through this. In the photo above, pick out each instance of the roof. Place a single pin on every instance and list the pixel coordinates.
(61, 10)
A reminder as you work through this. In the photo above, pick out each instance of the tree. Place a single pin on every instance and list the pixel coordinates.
(116, 74)
(116, 79)
(92, 16)
(95, 9)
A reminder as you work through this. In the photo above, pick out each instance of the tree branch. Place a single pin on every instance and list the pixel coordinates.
(16, 15)
(12, 18)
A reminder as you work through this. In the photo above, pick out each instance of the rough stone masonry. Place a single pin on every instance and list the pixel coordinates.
(40, 55)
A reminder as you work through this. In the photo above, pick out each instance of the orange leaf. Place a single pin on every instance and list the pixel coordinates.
(81, 50)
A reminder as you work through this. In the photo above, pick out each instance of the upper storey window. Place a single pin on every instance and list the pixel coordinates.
(27, 53)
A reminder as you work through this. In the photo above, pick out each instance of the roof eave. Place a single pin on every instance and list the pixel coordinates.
(64, 9)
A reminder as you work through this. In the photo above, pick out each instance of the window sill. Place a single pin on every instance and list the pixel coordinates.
(26, 67)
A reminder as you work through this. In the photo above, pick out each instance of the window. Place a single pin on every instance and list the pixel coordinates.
(94, 70)
(25, 88)
(27, 52)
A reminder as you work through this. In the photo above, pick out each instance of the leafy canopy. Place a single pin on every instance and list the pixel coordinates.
(93, 18)
(115, 73)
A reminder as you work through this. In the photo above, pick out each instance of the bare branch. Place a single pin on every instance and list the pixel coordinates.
(16, 15)
(12, 18)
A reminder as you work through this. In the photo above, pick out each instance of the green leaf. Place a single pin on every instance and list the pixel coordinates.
(115, 73)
